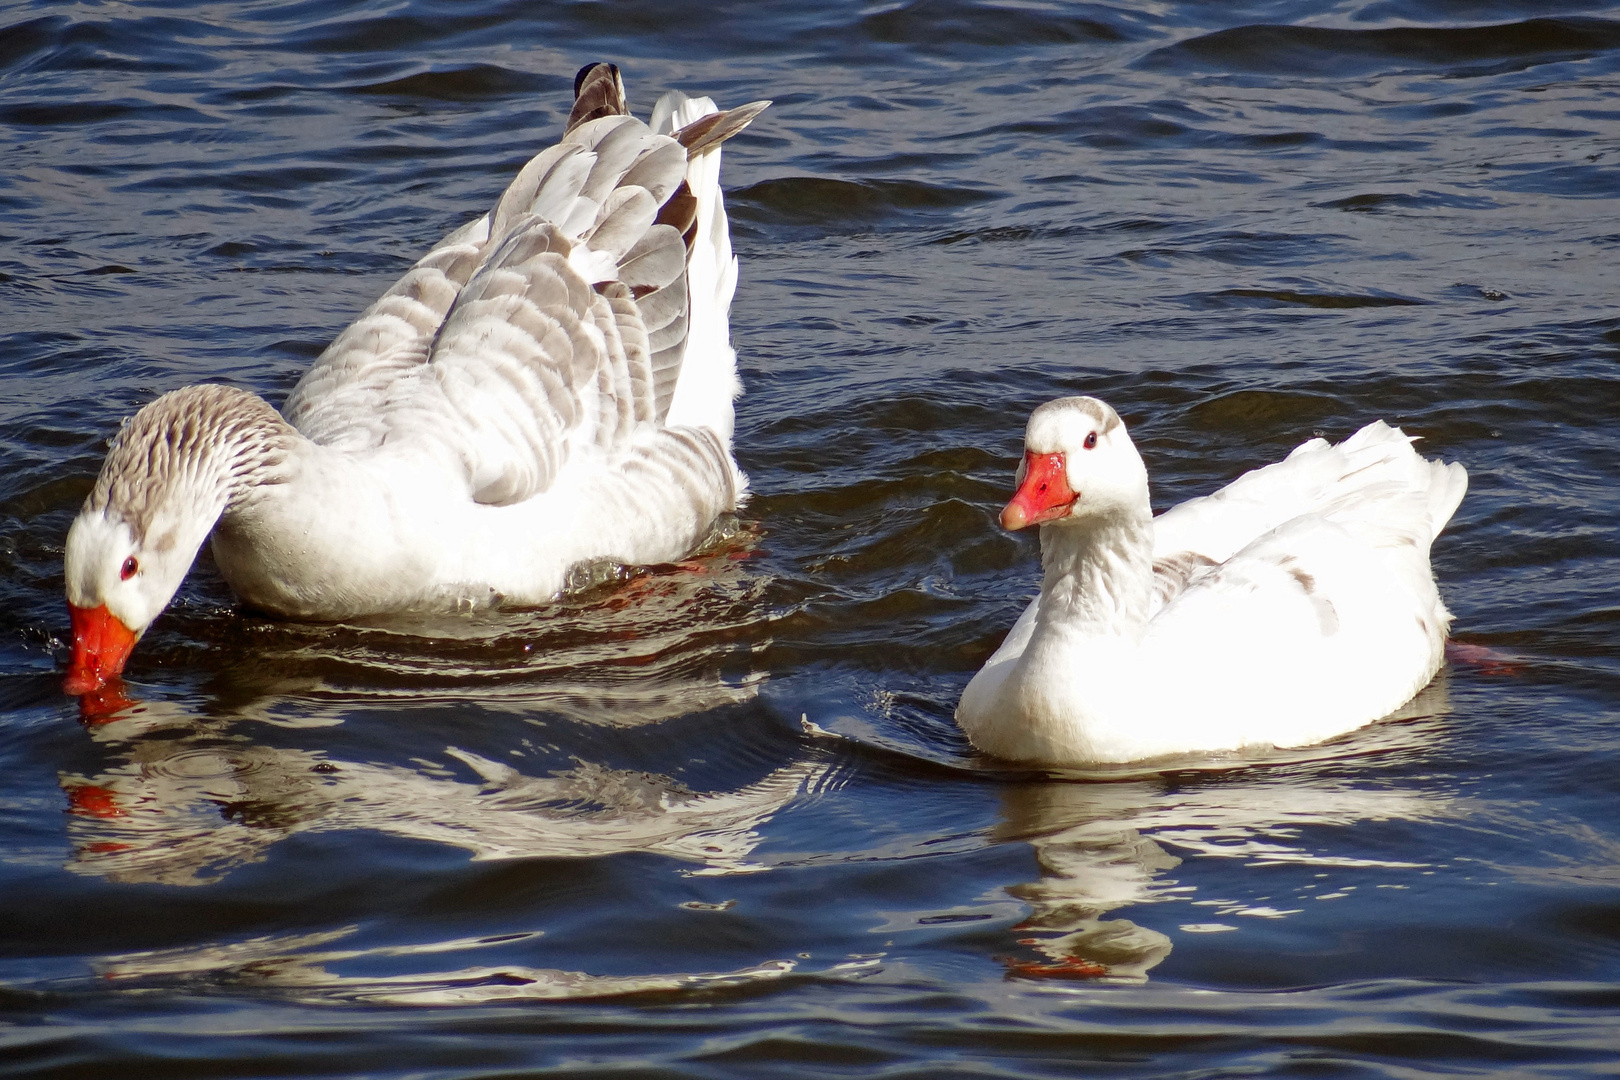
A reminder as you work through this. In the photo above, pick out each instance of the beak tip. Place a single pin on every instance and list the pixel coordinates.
(101, 646)
(78, 683)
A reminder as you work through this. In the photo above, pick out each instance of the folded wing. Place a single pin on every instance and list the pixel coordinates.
(554, 325)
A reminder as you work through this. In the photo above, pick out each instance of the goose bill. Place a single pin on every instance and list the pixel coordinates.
(1043, 496)
(101, 645)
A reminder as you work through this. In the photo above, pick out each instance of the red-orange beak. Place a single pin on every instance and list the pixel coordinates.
(101, 645)
(1043, 496)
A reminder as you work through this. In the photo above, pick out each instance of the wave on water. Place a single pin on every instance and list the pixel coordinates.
(1455, 51)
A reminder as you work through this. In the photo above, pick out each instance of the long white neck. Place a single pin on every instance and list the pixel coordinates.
(1058, 696)
(1098, 574)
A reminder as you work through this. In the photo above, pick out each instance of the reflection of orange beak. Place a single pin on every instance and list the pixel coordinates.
(88, 800)
(1043, 496)
(105, 704)
(101, 645)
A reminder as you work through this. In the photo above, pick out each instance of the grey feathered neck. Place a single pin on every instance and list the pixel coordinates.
(210, 435)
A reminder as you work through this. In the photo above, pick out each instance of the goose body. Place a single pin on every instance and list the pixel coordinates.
(552, 384)
(1292, 606)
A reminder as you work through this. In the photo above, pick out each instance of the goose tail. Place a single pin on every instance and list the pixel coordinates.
(708, 383)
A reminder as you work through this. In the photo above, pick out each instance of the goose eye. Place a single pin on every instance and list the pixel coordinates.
(1091, 441)
(127, 571)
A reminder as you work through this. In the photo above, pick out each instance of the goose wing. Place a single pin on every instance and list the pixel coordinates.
(1314, 476)
(557, 322)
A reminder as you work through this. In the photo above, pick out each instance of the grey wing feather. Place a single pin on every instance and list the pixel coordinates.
(511, 363)
(617, 143)
(626, 216)
(557, 320)
(660, 169)
(632, 335)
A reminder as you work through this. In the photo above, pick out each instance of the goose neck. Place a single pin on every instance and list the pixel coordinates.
(190, 454)
(1098, 574)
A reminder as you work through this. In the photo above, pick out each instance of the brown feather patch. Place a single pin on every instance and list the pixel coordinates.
(598, 92)
(707, 132)
(680, 213)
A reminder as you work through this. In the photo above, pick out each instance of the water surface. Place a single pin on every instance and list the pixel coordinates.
(715, 819)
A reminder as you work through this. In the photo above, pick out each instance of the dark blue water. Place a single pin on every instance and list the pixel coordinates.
(716, 820)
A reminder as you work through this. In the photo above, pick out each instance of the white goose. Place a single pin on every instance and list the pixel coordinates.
(551, 384)
(1291, 606)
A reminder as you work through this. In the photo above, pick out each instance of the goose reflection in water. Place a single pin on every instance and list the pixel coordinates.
(1106, 846)
(182, 812)
(300, 965)
(186, 810)
(196, 795)
(191, 792)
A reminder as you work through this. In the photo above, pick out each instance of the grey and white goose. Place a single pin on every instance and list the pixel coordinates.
(552, 384)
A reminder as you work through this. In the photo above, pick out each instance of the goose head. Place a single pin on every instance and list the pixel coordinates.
(168, 476)
(119, 579)
(1079, 465)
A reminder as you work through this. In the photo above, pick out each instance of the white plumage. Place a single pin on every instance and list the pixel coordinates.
(1291, 606)
(552, 384)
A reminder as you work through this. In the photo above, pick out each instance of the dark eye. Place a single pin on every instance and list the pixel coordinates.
(1091, 441)
(127, 571)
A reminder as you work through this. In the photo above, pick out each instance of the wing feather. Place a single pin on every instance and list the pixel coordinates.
(627, 214)
(557, 321)
(632, 334)
(617, 144)
(615, 394)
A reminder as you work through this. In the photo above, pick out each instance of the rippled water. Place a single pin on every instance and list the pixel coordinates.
(715, 819)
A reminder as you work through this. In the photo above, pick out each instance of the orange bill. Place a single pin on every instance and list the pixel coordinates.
(1043, 496)
(101, 645)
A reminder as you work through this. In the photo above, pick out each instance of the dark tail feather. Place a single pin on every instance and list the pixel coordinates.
(710, 131)
(598, 91)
